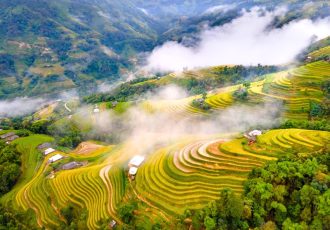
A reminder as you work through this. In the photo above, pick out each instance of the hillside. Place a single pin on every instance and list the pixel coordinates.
(148, 115)
(48, 47)
(181, 174)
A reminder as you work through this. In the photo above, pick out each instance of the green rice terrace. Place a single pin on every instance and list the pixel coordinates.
(189, 173)
(164, 115)
(100, 187)
(296, 88)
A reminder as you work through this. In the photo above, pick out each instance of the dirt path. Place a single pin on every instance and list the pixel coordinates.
(67, 108)
(104, 174)
(148, 203)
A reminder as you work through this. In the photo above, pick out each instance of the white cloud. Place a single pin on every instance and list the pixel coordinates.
(20, 106)
(246, 40)
(219, 8)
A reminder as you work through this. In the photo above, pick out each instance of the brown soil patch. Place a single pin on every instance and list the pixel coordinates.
(86, 148)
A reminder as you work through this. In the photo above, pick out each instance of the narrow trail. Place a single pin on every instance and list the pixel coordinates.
(148, 203)
(67, 108)
(104, 174)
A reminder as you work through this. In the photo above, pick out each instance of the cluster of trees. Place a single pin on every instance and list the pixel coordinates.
(304, 124)
(291, 193)
(10, 219)
(103, 66)
(220, 76)
(125, 211)
(201, 103)
(318, 110)
(10, 162)
(125, 92)
(75, 218)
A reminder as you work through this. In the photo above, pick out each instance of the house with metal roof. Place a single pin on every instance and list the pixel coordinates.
(71, 165)
(55, 158)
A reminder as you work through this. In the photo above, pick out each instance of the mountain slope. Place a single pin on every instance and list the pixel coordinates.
(48, 46)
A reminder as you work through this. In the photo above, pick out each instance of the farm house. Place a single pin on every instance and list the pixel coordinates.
(48, 151)
(252, 136)
(11, 138)
(136, 161)
(55, 158)
(96, 109)
(71, 165)
(6, 135)
(44, 146)
(133, 165)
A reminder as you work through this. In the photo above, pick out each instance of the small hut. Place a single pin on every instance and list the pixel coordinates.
(44, 146)
(55, 158)
(11, 138)
(112, 224)
(6, 135)
(48, 151)
(133, 165)
(71, 165)
(252, 136)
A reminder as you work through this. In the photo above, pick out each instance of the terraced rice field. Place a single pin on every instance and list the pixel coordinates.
(179, 108)
(295, 88)
(99, 187)
(188, 175)
(91, 188)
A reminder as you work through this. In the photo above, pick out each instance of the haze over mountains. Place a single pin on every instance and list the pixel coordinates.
(165, 114)
(50, 46)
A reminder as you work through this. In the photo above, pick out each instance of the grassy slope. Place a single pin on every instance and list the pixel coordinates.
(187, 174)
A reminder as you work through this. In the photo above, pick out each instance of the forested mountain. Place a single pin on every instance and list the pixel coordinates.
(46, 46)
(50, 46)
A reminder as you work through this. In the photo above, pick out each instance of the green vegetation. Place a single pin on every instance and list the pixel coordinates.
(10, 162)
(291, 193)
(201, 182)
(195, 82)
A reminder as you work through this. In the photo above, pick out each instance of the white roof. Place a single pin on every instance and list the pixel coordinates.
(136, 161)
(55, 158)
(96, 110)
(132, 170)
(255, 133)
(49, 150)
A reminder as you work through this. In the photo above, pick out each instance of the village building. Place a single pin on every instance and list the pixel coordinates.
(11, 138)
(133, 165)
(114, 104)
(55, 158)
(48, 151)
(132, 172)
(252, 136)
(71, 165)
(6, 135)
(112, 224)
(96, 109)
(45, 145)
(136, 161)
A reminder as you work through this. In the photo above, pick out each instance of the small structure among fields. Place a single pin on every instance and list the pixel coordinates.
(252, 136)
(55, 158)
(136, 161)
(71, 165)
(48, 151)
(114, 104)
(133, 165)
(132, 171)
(96, 109)
(6, 135)
(112, 224)
(45, 145)
(11, 138)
